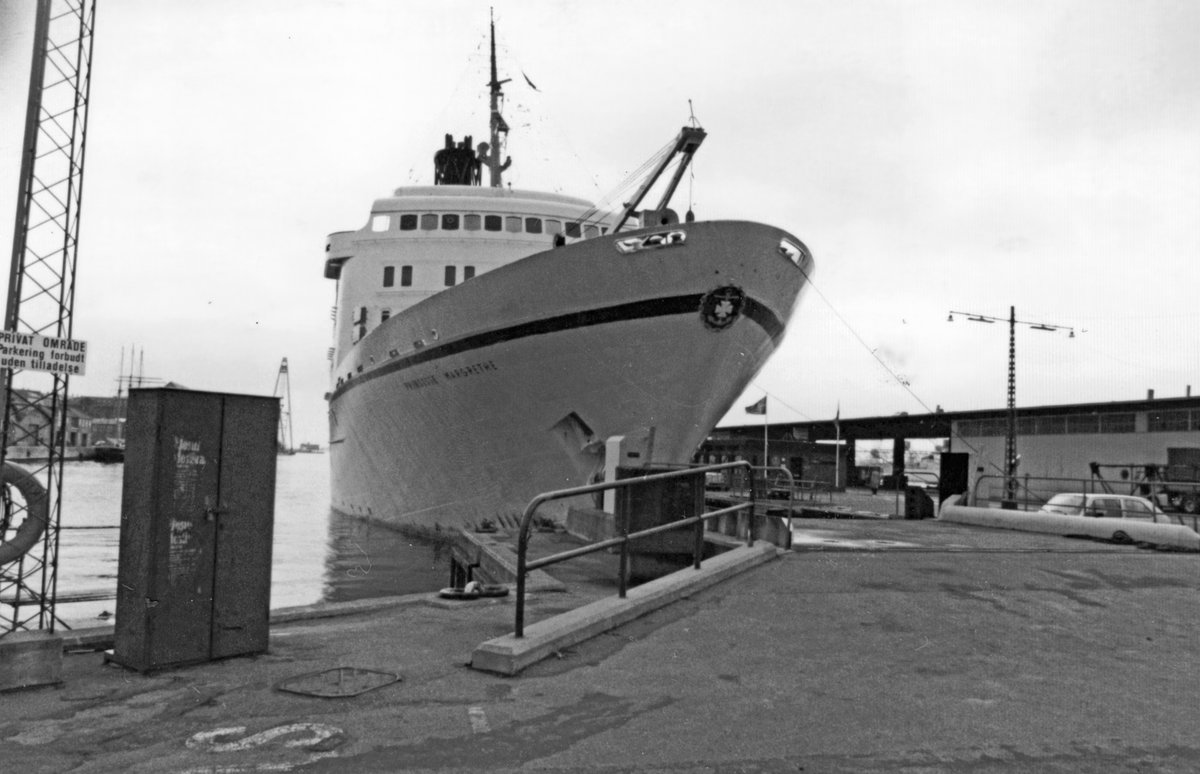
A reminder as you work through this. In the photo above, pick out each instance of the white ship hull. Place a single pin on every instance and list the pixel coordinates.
(468, 404)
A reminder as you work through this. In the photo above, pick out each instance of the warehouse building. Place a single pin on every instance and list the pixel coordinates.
(1053, 442)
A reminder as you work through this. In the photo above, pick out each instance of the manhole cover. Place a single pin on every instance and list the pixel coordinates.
(337, 682)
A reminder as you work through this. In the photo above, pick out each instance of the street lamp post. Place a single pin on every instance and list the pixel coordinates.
(1010, 437)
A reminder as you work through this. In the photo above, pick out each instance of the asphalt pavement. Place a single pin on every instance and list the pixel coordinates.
(873, 646)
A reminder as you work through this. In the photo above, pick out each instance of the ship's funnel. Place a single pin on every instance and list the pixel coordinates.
(456, 164)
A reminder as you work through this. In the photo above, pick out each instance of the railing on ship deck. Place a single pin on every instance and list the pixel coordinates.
(525, 566)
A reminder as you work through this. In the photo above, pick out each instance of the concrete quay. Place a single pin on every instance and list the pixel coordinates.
(873, 646)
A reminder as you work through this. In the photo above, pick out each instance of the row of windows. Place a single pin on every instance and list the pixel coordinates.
(1064, 424)
(450, 276)
(513, 224)
(1177, 419)
(361, 321)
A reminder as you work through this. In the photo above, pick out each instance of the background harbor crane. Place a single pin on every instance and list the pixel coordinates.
(283, 391)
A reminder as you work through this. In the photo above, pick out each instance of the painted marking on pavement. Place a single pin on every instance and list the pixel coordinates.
(218, 739)
(479, 722)
(817, 538)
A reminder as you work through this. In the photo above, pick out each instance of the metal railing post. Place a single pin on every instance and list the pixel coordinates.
(698, 548)
(522, 561)
(750, 518)
(519, 629)
(623, 570)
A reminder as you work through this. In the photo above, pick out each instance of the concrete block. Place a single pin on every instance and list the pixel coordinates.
(590, 524)
(29, 659)
(721, 541)
(508, 655)
(774, 530)
(498, 562)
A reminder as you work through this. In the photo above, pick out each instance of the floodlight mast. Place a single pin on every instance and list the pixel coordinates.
(1010, 436)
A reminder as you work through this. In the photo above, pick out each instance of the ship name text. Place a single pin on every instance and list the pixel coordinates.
(451, 374)
(470, 370)
(424, 381)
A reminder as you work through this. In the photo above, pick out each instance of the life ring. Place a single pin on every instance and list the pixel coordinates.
(37, 510)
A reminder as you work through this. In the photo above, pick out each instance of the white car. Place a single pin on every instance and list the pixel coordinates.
(1111, 506)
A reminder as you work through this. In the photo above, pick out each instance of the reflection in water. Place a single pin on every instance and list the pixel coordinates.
(316, 555)
(365, 559)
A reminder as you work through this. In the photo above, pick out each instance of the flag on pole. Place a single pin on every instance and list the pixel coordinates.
(758, 408)
(837, 453)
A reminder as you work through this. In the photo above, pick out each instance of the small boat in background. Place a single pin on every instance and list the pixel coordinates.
(109, 450)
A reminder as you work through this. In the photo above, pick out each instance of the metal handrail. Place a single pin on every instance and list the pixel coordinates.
(1090, 486)
(1082, 485)
(813, 487)
(791, 500)
(524, 566)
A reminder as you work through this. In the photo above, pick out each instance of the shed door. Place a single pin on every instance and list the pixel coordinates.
(188, 449)
(242, 586)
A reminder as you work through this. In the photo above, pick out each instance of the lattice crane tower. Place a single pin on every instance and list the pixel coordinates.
(40, 302)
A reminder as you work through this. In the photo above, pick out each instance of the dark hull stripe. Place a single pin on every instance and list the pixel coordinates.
(636, 310)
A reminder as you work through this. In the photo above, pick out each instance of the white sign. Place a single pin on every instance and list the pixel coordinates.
(34, 352)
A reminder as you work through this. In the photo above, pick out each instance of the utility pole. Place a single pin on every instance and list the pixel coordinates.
(1010, 437)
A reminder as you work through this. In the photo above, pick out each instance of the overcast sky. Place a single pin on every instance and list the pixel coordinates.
(966, 155)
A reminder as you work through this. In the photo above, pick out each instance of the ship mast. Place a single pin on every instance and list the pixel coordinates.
(491, 156)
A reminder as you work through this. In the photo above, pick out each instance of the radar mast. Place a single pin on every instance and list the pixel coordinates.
(491, 155)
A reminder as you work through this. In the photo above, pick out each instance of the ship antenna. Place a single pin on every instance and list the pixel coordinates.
(491, 156)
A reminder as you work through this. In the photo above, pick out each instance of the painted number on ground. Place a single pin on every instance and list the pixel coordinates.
(224, 739)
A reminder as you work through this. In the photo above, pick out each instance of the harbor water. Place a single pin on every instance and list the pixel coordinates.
(318, 555)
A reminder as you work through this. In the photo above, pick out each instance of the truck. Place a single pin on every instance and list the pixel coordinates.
(1173, 486)
(1182, 469)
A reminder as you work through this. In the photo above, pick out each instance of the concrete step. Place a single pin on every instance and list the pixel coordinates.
(508, 655)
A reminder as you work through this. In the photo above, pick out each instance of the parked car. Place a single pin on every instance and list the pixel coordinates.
(1111, 506)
